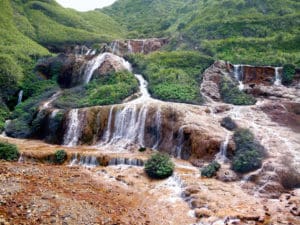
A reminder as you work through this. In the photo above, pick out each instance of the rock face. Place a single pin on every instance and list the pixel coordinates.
(212, 78)
(145, 46)
(254, 75)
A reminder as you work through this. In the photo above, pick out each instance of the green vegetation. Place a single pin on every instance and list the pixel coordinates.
(288, 74)
(249, 153)
(142, 149)
(210, 170)
(248, 32)
(159, 166)
(228, 123)
(173, 76)
(8, 151)
(105, 90)
(60, 156)
(230, 93)
(4, 113)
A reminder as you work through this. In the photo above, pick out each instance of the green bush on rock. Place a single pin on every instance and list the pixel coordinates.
(159, 166)
(8, 151)
(60, 156)
(228, 123)
(288, 74)
(210, 170)
(231, 94)
(249, 153)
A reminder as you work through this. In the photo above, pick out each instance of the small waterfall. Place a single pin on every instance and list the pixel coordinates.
(96, 62)
(180, 142)
(143, 87)
(21, 158)
(126, 161)
(129, 46)
(115, 47)
(108, 130)
(143, 47)
(47, 104)
(277, 76)
(237, 71)
(73, 131)
(158, 122)
(85, 161)
(20, 96)
(222, 155)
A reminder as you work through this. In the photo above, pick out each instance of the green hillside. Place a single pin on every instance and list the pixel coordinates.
(28, 28)
(242, 31)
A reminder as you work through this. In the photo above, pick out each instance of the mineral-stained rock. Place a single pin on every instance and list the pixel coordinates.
(202, 212)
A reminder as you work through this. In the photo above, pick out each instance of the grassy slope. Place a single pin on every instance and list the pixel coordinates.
(256, 32)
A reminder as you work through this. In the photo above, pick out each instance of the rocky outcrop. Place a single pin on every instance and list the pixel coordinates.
(145, 46)
(211, 80)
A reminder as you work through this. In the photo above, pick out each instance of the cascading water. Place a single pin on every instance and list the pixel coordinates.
(115, 47)
(97, 61)
(20, 97)
(180, 142)
(129, 46)
(73, 131)
(143, 87)
(158, 128)
(237, 71)
(125, 161)
(277, 76)
(222, 155)
(143, 47)
(88, 161)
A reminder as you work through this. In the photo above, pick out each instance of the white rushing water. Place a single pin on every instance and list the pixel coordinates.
(237, 71)
(222, 155)
(277, 76)
(88, 161)
(129, 46)
(97, 61)
(20, 96)
(47, 104)
(73, 130)
(125, 161)
(143, 86)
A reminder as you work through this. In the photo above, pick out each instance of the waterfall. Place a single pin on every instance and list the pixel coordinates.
(73, 131)
(222, 155)
(129, 46)
(20, 96)
(143, 46)
(158, 128)
(126, 161)
(108, 130)
(88, 161)
(237, 71)
(277, 76)
(143, 87)
(180, 142)
(115, 47)
(96, 62)
(47, 104)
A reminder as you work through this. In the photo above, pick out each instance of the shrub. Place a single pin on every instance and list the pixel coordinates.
(230, 93)
(142, 149)
(228, 123)
(210, 170)
(60, 156)
(159, 166)
(288, 74)
(8, 151)
(249, 153)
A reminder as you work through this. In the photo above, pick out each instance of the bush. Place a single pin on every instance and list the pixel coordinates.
(228, 123)
(60, 156)
(288, 74)
(142, 149)
(8, 151)
(231, 94)
(210, 170)
(159, 166)
(249, 153)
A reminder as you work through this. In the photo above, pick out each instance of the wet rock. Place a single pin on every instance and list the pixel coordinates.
(202, 212)
(227, 175)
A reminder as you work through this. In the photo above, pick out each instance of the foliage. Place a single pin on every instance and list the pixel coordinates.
(8, 151)
(105, 90)
(248, 32)
(4, 113)
(230, 93)
(210, 170)
(173, 76)
(60, 156)
(142, 149)
(159, 166)
(288, 74)
(249, 153)
(228, 123)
